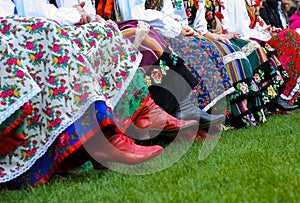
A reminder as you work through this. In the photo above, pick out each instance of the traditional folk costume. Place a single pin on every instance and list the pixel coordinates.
(206, 64)
(59, 87)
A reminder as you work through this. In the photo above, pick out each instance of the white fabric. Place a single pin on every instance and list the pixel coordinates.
(282, 16)
(236, 19)
(6, 8)
(41, 8)
(200, 23)
(89, 8)
(168, 21)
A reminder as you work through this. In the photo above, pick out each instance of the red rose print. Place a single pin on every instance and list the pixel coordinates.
(93, 43)
(6, 28)
(64, 139)
(77, 87)
(9, 62)
(29, 45)
(133, 58)
(62, 89)
(20, 74)
(51, 80)
(10, 92)
(109, 34)
(81, 59)
(40, 24)
(58, 121)
(55, 91)
(3, 95)
(55, 48)
(115, 58)
(66, 58)
(35, 118)
(48, 112)
(34, 27)
(119, 84)
(60, 60)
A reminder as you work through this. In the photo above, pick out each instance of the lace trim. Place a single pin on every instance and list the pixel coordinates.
(233, 56)
(19, 103)
(141, 31)
(218, 98)
(55, 134)
(250, 47)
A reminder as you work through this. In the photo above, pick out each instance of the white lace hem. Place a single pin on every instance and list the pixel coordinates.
(18, 104)
(53, 137)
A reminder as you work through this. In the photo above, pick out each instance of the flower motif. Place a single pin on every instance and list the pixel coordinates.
(257, 78)
(207, 3)
(147, 80)
(244, 88)
(64, 140)
(156, 75)
(271, 91)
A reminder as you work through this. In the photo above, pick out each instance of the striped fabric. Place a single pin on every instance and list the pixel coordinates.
(145, 38)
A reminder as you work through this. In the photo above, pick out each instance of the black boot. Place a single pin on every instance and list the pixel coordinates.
(188, 111)
(283, 105)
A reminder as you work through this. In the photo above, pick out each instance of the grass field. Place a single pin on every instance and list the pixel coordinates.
(259, 164)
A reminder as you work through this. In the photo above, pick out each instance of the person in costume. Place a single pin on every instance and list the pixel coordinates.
(57, 96)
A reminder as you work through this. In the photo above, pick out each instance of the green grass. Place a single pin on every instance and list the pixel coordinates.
(259, 164)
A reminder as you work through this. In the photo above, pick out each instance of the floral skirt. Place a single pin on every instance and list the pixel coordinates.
(245, 104)
(267, 71)
(168, 79)
(287, 46)
(67, 143)
(105, 46)
(42, 65)
(207, 62)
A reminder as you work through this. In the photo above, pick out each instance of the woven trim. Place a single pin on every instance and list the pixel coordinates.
(250, 47)
(233, 56)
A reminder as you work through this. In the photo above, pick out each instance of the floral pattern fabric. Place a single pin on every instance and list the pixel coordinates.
(48, 57)
(208, 63)
(287, 45)
(245, 102)
(156, 5)
(16, 84)
(204, 57)
(68, 143)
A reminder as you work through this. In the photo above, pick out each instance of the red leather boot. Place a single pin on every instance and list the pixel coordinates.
(119, 149)
(152, 117)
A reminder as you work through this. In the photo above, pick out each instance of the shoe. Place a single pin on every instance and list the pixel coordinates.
(283, 105)
(188, 111)
(121, 149)
(152, 117)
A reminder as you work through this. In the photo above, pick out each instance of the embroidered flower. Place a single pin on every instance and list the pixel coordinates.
(20, 74)
(244, 88)
(156, 75)
(29, 45)
(56, 48)
(271, 91)
(64, 139)
(147, 80)
(257, 78)
(207, 3)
